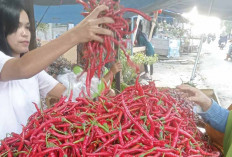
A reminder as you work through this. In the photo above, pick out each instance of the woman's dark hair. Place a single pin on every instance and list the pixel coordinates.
(140, 33)
(9, 21)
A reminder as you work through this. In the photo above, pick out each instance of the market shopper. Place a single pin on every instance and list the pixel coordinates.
(22, 79)
(142, 40)
(216, 116)
(108, 74)
(228, 55)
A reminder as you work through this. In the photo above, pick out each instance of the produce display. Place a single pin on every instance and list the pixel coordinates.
(96, 55)
(140, 121)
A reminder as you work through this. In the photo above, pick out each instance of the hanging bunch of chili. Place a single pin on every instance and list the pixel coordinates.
(96, 54)
(141, 121)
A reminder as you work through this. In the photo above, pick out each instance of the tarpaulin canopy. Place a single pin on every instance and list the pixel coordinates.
(58, 14)
(219, 8)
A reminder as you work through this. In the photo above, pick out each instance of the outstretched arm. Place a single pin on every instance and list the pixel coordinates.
(196, 96)
(213, 114)
(36, 60)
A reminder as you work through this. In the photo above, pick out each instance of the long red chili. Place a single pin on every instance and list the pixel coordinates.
(136, 123)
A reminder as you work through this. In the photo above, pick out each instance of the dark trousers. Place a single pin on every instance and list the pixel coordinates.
(146, 69)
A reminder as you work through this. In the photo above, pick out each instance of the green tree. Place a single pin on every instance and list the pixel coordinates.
(228, 26)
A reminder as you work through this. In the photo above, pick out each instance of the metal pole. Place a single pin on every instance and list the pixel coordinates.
(196, 61)
(117, 76)
(42, 16)
(199, 50)
(117, 57)
(210, 8)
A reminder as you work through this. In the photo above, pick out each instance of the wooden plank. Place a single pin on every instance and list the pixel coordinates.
(153, 22)
(139, 49)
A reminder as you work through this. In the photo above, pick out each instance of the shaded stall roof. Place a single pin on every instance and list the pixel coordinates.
(58, 14)
(219, 8)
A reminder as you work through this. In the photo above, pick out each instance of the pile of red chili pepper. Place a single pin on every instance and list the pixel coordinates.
(96, 54)
(140, 121)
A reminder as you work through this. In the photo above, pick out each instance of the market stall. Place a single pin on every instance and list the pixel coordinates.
(141, 120)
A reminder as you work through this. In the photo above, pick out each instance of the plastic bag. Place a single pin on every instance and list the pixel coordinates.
(77, 83)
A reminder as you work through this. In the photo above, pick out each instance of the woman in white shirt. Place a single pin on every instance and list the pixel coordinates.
(22, 79)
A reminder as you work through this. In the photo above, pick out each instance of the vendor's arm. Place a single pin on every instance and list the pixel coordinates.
(212, 113)
(48, 86)
(36, 60)
(216, 116)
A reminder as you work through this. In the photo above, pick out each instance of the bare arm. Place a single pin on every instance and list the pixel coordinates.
(57, 91)
(117, 67)
(36, 60)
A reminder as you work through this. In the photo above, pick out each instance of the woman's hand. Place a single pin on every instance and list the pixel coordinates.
(196, 95)
(89, 28)
(110, 93)
(116, 68)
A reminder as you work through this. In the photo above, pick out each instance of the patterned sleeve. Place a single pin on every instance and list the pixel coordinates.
(216, 116)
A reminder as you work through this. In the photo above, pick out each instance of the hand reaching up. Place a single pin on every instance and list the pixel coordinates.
(117, 67)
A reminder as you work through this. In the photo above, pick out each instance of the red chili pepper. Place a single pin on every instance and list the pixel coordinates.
(37, 108)
(48, 150)
(22, 140)
(85, 145)
(136, 123)
(134, 11)
(99, 132)
(88, 82)
(132, 142)
(130, 151)
(99, 154)
(120, 135)
(9, 154)
(106, 143)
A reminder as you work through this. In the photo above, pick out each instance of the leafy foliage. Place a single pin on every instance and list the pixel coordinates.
(43, 27)
(228, 26)
(129, 74)
(141, 58)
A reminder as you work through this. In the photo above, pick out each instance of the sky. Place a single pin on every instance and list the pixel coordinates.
(203, 24)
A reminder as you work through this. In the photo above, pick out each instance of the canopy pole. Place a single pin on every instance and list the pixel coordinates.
(153, 22)
(210, 8)
(196, 61)
(199, 50)
(117, 76)
(117, 57)
(42, 16)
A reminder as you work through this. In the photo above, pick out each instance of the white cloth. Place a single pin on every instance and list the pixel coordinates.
(16, 98)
